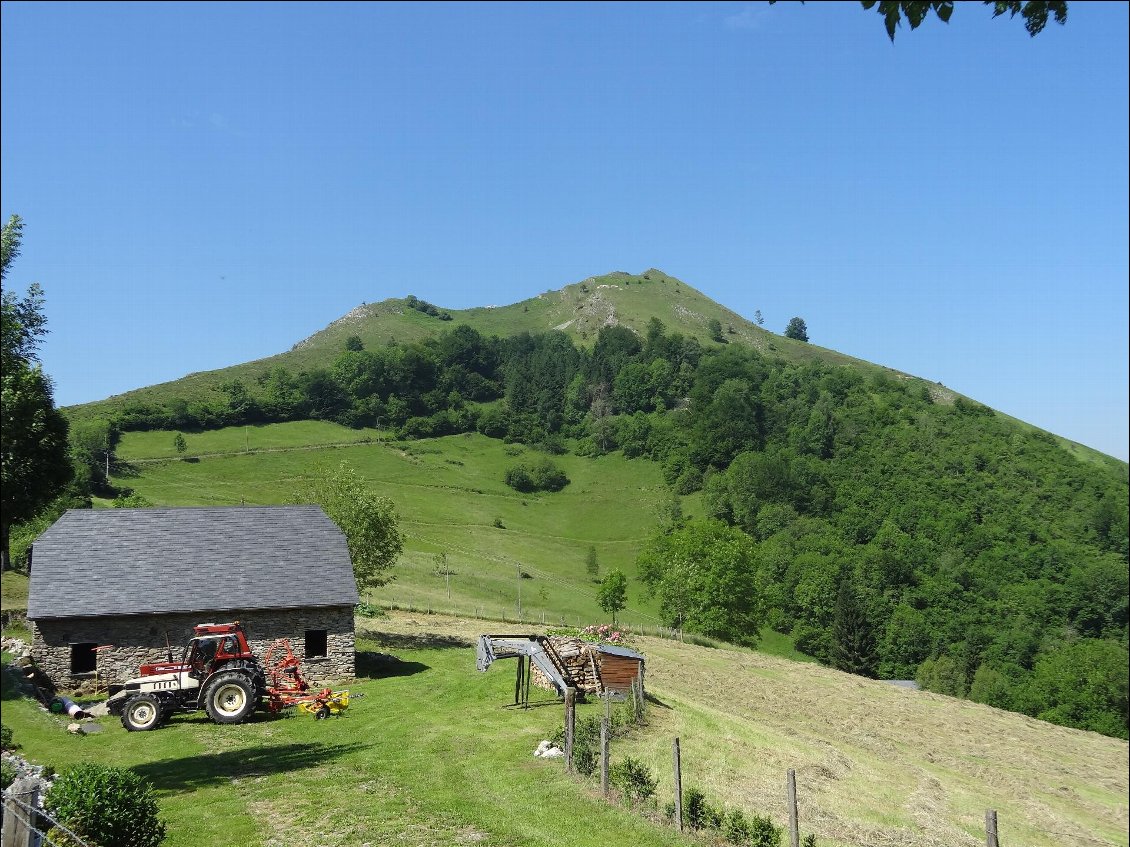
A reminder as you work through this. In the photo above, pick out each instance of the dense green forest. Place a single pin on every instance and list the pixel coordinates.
(890, 534)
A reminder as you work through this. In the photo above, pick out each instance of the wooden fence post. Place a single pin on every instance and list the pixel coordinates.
(19, 813)
(991, 828)
(678, 785)
(604, 726)
(794, 824)
(570, 725)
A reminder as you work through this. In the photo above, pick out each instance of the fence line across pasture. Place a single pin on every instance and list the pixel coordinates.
(548, 577)
(479, 613)
(677, 810)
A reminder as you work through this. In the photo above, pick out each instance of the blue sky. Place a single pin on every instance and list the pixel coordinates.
(204, 184)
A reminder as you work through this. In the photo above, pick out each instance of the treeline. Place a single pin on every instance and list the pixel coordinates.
(891, 535)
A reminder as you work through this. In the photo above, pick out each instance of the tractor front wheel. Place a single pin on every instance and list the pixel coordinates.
(230, 697)
(142, 712)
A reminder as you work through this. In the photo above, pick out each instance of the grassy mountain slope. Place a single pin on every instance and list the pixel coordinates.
(450, 493)
(579, 310)
(432, 755)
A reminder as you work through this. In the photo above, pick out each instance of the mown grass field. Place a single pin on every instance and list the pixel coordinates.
(428, 756)
(432, 754)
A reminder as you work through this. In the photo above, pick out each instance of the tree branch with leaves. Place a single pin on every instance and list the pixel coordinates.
(370, 522)
(34, 461)
(1034, 12)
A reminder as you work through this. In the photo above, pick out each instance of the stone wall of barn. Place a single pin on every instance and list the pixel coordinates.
(139, 639)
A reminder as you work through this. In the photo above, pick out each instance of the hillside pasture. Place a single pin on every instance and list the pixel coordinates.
(158, 444)
(876, 764)
(433, 753)
(451, 496)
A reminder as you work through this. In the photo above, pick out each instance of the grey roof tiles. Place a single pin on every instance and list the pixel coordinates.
(143, 561)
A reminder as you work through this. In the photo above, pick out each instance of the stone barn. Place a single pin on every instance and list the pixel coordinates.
(110, 589)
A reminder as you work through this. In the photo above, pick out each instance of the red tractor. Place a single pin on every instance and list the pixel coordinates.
(217, 672)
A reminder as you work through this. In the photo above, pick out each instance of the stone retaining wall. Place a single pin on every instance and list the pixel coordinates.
(140, 639)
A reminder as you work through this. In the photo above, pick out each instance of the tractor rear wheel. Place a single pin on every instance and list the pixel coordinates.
(142, 712)
(230, 697)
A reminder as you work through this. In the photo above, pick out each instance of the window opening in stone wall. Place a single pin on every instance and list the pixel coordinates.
(83, 658)
(316, 643)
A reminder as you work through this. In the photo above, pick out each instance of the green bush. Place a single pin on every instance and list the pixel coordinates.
(633, 778)
(736, 828)
(586, 746)
(113, 807)
(541, 475)
(763, 833)
(698, 813)
(368, 610)
(6, 742)
(7, 774)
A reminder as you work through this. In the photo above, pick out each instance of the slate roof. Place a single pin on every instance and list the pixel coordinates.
(91, 563)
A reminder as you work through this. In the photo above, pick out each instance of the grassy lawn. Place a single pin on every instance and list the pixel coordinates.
(432, 754)
(13, 590)
(429, 755)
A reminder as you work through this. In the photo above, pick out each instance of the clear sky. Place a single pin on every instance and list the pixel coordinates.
(204, 184)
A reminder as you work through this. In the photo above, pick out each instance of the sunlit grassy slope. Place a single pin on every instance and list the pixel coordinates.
(579, 309)
(432, 754)
(452, 499)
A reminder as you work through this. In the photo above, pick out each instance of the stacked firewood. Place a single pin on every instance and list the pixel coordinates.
(581, 661)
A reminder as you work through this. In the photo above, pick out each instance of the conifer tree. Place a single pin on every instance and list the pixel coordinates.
(592, 567)
(853, 635)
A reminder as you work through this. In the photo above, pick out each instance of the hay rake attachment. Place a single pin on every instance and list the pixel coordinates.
(286, 686)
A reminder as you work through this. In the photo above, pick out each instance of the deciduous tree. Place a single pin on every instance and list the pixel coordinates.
(370, 522)
(613, 594)
(705, 575)
(1034, 12)
(34, 462)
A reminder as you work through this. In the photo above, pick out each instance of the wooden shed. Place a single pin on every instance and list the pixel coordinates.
(619, 667)
(556, 663)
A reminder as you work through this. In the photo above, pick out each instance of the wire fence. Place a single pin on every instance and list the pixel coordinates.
(25, 824)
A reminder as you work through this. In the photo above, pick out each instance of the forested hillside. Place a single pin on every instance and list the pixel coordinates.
(891, 534)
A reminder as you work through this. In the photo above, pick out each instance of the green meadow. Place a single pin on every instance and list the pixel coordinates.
(431, 752)
(426, 754)
(500, 546)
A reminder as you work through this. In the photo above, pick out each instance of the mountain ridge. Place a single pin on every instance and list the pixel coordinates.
(578, 309)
